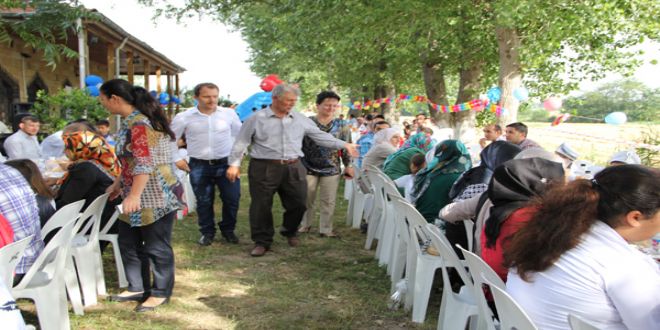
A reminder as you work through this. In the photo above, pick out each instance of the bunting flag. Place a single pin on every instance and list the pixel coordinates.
(474, 105)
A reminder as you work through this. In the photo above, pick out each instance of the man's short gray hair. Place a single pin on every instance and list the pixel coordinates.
(282, 89)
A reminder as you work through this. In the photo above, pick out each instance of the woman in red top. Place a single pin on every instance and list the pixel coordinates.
(513, 186)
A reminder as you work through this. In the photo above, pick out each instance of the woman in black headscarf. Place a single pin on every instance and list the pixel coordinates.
(475, 181)
(513, 186)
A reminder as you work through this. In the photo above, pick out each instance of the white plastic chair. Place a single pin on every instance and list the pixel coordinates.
(420, 266)
(456, 309)
(397, 262)
(86, 252)
(578, 323)
(44, 281)
(511, 315)
(469, 232)
(477, 267)
(389, 235)
(357, 203)
(10, 255)
(377, 210)
(104, 235)
(58, 220)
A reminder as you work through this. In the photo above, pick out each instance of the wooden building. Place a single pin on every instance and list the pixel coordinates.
(107, 51)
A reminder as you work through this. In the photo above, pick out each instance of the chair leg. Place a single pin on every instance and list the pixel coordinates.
(423, 282)
(72, 288)
(358, 209)
(86, 276)
(98, 269)
(50, 302)
(121, 274)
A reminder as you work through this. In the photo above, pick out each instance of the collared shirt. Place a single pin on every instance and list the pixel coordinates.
(207, 136)
(53, 146)
(272, 137)
(603, 280)
(19, 206)
(21, 145)
(528, 143)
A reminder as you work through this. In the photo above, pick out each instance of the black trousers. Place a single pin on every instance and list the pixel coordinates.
(289, 181)
(144, 247)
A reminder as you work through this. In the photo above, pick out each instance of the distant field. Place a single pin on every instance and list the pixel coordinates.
(594, 142)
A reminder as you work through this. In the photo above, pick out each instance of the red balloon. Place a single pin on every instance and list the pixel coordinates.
(268, 83)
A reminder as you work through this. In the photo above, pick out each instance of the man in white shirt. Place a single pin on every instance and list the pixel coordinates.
(24, 144)
(209, 131)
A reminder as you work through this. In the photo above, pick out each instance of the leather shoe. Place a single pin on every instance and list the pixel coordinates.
(230, 237)
(205, 240)
(293, 241)
(141, 308)
(258, 251)
(135, 297)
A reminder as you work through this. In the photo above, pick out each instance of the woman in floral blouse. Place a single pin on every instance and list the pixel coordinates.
(151, 193)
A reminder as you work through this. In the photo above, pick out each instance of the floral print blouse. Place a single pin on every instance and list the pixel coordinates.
(143, 150)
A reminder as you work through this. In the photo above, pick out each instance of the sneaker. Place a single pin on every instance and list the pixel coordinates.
(230, 237)
(205, 240)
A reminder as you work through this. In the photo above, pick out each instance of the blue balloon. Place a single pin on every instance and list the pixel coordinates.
(93, 80)
(244, 110)
(164, 98)
(494, 94)
(521, 94)
(154, 94)
(176, 100)
(616, 118)
(93, 90)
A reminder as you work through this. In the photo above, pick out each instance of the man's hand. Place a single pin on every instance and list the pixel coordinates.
(483, 142)
(233, 173)
(352, 149)
(349, 173)
(182, 165)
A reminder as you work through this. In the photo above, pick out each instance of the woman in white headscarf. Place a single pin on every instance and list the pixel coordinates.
(386, 142)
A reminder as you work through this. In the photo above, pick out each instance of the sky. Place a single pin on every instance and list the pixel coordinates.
(210, 52)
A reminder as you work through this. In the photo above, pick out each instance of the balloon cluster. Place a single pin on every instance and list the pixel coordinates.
(268, 83)
(164, 98)
(93, 83)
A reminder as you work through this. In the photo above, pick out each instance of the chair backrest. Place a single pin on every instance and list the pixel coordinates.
(389, 187)
(577, 323)
(440, 242)
(62, 217)
(477, 266)
(91, 218)
(511, 315)
(53, 256)
(10, 255)
(108, 225)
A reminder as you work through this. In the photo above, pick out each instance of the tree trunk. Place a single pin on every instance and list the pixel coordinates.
(436, 90)
(508, 43)
(468, 89)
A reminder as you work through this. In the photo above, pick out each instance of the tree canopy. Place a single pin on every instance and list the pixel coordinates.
(452, 50)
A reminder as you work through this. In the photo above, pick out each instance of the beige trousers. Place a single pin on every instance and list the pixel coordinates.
(327, 191)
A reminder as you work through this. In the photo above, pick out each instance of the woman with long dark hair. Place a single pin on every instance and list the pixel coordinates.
(42, 192)
(151, 193)
(574, 256)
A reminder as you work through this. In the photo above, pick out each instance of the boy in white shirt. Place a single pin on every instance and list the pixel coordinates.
(407, 182)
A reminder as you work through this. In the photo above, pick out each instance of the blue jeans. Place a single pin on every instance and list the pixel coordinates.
(204, 176)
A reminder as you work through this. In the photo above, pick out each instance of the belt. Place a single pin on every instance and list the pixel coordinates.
(219, 161)
(279, 161)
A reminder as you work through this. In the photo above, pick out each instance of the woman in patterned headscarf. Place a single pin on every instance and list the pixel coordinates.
(92, 170)
(398, 164)
(432, 185)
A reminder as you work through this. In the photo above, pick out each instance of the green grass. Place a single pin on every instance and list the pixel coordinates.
(322, 284)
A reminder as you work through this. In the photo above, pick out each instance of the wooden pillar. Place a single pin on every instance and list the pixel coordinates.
(110, 61)
(147, 73)
(130, 68)
(177, 91)
(170, 105)
(158, 86)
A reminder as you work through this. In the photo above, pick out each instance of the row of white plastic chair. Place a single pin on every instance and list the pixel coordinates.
(70, 262)
(400, 229)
